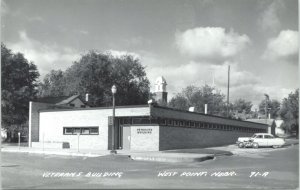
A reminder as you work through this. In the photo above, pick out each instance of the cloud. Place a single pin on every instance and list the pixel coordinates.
(198, 74)
(4, 8)
(118, 54)
(45, 56)
(255, 92)
(137, 41)
(283, 46)
(83, 32)
(237, 77)
(210, 43)
(35, 19)
(269, 19)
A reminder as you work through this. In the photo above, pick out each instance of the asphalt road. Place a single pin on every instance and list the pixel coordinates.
(278, 169)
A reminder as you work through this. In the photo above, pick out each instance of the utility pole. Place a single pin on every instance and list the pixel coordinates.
(228, 90)
(266, 111)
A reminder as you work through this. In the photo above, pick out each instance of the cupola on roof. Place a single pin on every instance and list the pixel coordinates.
(160, 80)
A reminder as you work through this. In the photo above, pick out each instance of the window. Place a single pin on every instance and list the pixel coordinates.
(82, 106)
(181, 123)
(72, 105)
(188, 123)
(81, 130)
(94, 131)
(192, 124)
(76, 130)
(85, 131)
(140, 120)
(170, 122)
(259, 136)
(162, 121)
(126, 121)
(208, 125)
(175, 123)
(68, 131)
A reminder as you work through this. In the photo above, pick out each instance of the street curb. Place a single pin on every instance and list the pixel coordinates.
(292, 144)
(170, 159)
(54, 153)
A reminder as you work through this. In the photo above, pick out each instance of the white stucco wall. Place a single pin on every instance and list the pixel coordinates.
(144, 138)
(52, 122)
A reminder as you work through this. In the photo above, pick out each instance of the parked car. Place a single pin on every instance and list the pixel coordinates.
(260, 140)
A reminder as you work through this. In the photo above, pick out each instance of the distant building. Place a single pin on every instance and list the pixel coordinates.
(270, 122)
(72, 101)
(279, 129)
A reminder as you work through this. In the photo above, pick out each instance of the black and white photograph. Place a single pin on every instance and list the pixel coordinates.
(149, 94)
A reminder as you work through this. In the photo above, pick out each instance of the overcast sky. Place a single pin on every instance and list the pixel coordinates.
(187, 42)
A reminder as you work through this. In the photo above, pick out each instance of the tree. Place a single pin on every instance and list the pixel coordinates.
(242, 106)
(54, 84)
(241, 109)
(197, 97)
(179, 102)
(19, 82)
(273, 107)
(289, 112)
(95, 73)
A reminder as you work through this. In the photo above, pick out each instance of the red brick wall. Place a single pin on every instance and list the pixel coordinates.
(169, 113)
(180, 137)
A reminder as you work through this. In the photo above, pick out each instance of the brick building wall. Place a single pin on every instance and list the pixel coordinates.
(176, 114)
(180, 138)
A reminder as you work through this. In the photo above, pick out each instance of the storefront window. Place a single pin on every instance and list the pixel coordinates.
(81, 130)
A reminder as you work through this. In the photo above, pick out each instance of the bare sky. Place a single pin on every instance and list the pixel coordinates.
(188, 42)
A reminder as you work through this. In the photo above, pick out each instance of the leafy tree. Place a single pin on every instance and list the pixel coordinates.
(53, 84)
(273, 107)
(179, 102)
(241, 109)
(197, 97)
(242, 106)
(18, 81)
(289, 112)
(95, 73)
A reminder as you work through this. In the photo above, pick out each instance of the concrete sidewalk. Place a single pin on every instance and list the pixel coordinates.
(160, 156)
(180, 155)
(52, 151)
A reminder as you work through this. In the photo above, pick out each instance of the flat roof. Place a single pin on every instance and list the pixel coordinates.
(92, 108)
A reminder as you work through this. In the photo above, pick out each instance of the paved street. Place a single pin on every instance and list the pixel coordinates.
(278, 169)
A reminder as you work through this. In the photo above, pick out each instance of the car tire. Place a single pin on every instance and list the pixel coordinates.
(275, 146)
(241, 145)
(255, 145)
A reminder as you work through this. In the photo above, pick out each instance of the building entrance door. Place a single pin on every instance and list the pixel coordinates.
(126, 137)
